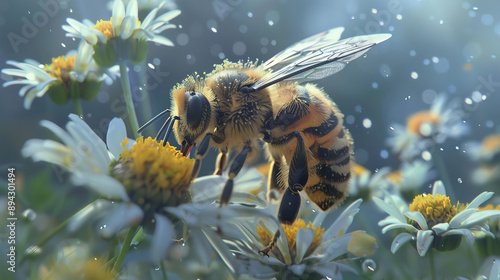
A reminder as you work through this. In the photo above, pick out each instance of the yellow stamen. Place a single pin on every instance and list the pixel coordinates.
(489, 207)
(435, 209)
(415, 121)
(156, 165)
(291, 234)
(106, 27)
(60, 67)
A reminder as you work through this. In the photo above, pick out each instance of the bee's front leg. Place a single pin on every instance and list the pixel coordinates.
(201, 151)
(221, 162)
(235, 168)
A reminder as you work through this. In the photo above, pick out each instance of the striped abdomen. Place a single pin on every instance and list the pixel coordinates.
(320, 124)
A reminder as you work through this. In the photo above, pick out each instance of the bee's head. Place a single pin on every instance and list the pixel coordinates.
(194, 112)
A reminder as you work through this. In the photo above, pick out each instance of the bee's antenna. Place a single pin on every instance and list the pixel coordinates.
(163, 127)
(169, 128)
(152, 120)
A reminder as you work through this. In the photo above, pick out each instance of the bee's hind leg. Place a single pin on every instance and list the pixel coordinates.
(221, 162)
(234, 169)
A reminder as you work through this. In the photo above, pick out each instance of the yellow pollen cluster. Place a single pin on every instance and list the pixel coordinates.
(416, 120)
(436, 209)
(491, 143)
(396, 177)
(358, 169)
(158, 165)
(106, 27)
(60, 67)
(291, 233)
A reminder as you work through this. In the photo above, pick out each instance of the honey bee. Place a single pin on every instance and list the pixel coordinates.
(238, 105)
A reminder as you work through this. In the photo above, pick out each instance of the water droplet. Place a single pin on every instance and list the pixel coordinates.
(414, 75)
(29, 214)
(33, 251)
(374, 85)
(150, 65)
(459, 180)
(63, 45)
(250, 14)
(374, 11)
(367, 123)
(156, 267)
(70, 10)
(307, 201)
(426, 155)
(384, 154)
(270, 22)
(214, 30)
(391, 128)
(369, 265)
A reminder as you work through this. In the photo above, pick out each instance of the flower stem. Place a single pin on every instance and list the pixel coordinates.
(78, 107)
(163, 271)
(127, 93)
(432, 265)
(125, 248)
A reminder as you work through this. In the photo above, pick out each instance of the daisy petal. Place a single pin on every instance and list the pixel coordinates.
(480, 216)
(460, 217)
(343, 221)
(303, 239)
(389, 209)
(419, 218)
(162, 41)
(424, 241)
(96, 210)
(221, 248)
(102, 184)
(400, 240)
(480, 199)
(396, 226)
(469, 236)
(126, 214)
(440, 228)
(117, 132)
(438, 188)
(162, 237)
(127, 27)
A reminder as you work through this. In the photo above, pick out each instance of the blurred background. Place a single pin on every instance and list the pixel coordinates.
(449, 47)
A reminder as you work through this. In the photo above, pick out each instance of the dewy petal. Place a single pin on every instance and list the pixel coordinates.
(460, 217)
(303, 239)
(168, 16)
(399, 225)
(126, 214)
(162, 237)
(419, 218)
(46, 150)
(118, 14)
(127, 27)
(102, 184)
(400, 240)
(424, 241)
(479, 217)
(149, 18)
(389, 209)
(440, 228)
(438, 188)
(93, 211)
(480, 199)
(343, 222)
(132, 9)
(117, 132)
(297, 269)
(162, 41)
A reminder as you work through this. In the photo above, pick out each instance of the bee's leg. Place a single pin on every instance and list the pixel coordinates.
(221, 162)
(201, 151)
(290, 202)
(297, 179)
(235, 168)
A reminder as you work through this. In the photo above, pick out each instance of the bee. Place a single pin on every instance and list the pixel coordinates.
(238, 105)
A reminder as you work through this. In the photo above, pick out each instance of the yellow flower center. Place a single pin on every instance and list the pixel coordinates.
(60, 67)
(415, 122)
(358, 170)
(154, 175)
(491, 143)
(435, 209)
(291, 234)
(395, 177)
(489, 207)
(105, 26)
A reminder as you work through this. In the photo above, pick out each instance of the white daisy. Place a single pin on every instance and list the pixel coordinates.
(300, 249)
(424, 129)
(140, 181)
(365, 184)
(72, 76)
(487, 154)
(123, 36)
(409, 178)
(433, 221)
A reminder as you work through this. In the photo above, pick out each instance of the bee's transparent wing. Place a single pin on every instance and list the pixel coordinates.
(326, 56)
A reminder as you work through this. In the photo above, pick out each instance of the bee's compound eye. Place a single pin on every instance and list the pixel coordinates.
(197, 107)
